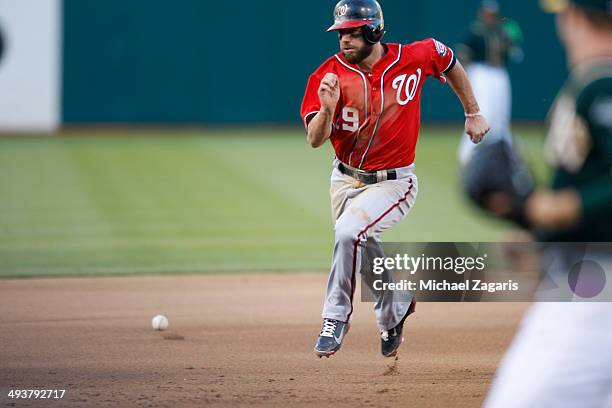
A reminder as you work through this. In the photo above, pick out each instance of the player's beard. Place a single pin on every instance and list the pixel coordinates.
(358, 54)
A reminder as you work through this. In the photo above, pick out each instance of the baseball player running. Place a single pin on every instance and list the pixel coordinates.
(366, 101)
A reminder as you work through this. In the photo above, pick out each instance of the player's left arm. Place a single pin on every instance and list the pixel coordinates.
(476, 125)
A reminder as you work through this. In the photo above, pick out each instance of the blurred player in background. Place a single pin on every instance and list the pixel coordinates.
(492, 41)
(562, 354)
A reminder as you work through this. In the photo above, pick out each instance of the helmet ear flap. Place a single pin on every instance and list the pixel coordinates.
(373, 33)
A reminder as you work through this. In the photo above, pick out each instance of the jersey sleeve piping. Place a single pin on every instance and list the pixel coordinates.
(307, 118)
(451, 64)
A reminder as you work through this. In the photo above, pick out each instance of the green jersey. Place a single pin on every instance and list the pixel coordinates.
(579, 146)
(493, 45)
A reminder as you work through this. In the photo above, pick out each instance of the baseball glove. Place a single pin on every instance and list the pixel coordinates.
(497, 180)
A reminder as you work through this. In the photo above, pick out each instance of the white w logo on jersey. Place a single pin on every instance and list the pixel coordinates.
(409, 86)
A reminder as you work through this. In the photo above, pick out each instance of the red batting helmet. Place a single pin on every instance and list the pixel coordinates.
(360, 13)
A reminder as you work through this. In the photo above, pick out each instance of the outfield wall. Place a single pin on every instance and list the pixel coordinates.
(204, 62)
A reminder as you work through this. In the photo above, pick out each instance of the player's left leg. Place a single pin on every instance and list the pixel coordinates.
(390, 307)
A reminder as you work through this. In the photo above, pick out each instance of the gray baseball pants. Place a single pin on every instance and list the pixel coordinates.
(361, 213)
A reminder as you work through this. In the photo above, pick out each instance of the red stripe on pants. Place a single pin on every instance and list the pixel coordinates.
(353, 277)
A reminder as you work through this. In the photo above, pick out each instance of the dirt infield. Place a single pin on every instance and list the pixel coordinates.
(235, 340)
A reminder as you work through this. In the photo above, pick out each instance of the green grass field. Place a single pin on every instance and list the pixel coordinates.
(100, 202)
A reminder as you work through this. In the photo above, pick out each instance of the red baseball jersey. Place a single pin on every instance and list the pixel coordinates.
(377, 119)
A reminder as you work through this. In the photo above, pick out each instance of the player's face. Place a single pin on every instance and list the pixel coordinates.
(489, 17)
(353, 46)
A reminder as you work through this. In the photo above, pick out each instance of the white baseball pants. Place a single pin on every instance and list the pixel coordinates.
(561, 356)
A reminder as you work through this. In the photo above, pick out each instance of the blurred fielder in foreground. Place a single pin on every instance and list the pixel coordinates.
(493, 41)
(562, 354)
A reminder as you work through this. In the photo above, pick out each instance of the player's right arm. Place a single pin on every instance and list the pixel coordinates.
(319, 122)
(320, 127)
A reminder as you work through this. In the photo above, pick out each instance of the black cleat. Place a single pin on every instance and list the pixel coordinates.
(330, 338)
(392, 339)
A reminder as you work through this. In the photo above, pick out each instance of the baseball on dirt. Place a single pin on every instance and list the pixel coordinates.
(159, 322)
